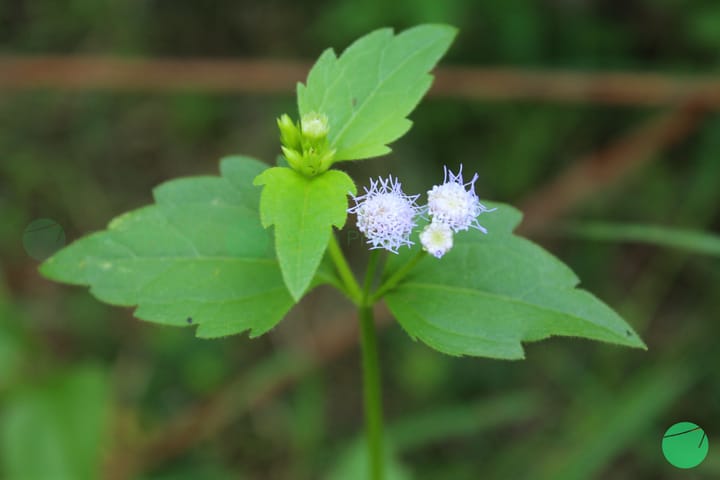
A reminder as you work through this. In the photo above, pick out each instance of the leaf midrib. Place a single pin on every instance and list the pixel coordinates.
(301, 235)
(186, 259)
(505, 298)
(443, 328)
(231, 299)
(197, 255)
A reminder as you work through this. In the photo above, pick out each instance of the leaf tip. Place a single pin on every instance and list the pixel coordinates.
(296, 291)
(348, 182)
(445, 30)
(632, 339)
(45, 268)
(639, 343)
(259, 180)
(451, 29)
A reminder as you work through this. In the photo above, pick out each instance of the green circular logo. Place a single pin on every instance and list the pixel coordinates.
(685, 445)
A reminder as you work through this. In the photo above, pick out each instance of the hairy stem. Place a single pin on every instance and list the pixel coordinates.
(352, 289)
(396, 277)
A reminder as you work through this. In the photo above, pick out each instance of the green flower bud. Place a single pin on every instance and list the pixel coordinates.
(326, 160)
(305, 145)
(289, 132)
(293, 157)
(314, 125)
(311, 163)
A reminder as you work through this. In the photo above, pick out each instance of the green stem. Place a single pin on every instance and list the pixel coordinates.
(396, 277)
(352, 289)
(372, 393)
(370, 274)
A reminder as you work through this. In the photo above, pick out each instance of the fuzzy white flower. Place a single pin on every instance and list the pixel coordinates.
(437, 239)
(453, 205)
(385, 215)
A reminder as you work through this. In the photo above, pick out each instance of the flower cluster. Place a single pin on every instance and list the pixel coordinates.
(455, 203)
(305, 144)
(386, 216)
(452, 206)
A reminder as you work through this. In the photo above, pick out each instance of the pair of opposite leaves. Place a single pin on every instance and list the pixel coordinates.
(201, 250)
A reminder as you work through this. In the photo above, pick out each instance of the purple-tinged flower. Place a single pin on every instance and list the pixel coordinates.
(455, 203)
(436, 239)
(385, 215)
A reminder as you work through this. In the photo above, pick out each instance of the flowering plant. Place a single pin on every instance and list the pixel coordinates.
(205, 253)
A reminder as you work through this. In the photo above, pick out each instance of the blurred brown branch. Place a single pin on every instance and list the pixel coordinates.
(280, 76)
(606, 167)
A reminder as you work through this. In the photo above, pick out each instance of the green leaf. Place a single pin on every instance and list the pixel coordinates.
(492, 292)
(303, 211)
(373, 86)
(56, 431)
(692, 241)
(199, 256)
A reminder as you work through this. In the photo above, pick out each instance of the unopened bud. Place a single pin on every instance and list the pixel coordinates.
(289, 132)
(305, 145)
(314, 125)
(294, 158)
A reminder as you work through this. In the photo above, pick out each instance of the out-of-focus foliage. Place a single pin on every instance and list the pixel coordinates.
(80, 158)
(56, 430)
(688, 240)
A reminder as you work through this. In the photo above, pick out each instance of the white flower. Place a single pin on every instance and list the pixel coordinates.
(437, 239)
(453, 205)
(385, 215)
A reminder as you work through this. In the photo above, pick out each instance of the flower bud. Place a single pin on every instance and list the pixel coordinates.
(305, 144)
(289, 132)
(314, 125)
(437, 239)
(294, 158)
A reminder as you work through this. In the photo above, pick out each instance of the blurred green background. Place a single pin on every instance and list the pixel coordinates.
(87, 392)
